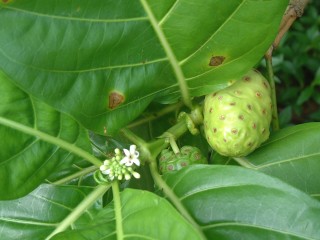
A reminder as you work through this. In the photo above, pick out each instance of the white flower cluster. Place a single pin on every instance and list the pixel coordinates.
(122, 165)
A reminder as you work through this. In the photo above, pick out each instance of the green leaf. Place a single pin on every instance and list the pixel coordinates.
(26, 160)
(144, 216)
(285, 116)
(104, 61)
(293, 155)
(36, 215)
(231, 202)
(305, 95)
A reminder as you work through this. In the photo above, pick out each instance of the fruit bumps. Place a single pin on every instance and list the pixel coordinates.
(237, 118)
(188, 155)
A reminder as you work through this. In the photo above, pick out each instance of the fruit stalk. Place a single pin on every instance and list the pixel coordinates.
(275, 118)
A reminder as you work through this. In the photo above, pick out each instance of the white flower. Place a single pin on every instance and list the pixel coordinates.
(131, 157)
(136, 175)
(105, 169)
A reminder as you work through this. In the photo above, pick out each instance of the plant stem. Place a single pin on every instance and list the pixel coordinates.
(245, 163)
(80, 209)
(172, 58)
(51, 139)
(275, 118)
(132, 137)
(174, 145)
(172, 196)
(75, 175)
(152, 117)
(294, 10)
(117, 209)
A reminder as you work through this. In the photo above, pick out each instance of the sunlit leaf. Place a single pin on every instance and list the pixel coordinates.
(144, 216)
(231, 202)
(102, 62)
(293, 155)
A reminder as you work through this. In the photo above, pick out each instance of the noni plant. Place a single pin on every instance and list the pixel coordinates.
(237, 118)
(107, 133)
(188, 155)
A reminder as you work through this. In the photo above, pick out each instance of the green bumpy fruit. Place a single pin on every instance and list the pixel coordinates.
(188, 155)
(237, 118)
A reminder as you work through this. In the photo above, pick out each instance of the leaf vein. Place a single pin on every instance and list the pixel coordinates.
(76, 18)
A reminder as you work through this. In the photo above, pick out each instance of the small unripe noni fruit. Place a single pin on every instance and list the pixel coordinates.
(188, 155)
(237, 118)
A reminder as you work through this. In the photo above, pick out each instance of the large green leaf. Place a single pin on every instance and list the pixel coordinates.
(36, 215)
(144, 216)
(293, 155)
(104, 61)
(231, 202)
(26, 160)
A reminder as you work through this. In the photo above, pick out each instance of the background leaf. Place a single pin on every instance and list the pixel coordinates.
(35, 216)
(25, 160)
(293, 155)
(101, 61)
(144, 216)
(232, 202)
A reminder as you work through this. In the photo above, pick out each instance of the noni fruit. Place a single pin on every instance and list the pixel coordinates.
(188, 155)
(237, 118)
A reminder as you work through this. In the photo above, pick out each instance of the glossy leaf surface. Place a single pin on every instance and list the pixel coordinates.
(231, 202)
(103, 62)
(35, 216)
(25, 160)
(293, 155)
(144, 216)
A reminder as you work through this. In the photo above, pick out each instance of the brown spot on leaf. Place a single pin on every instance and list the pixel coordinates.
(115, 99)
(216, 60)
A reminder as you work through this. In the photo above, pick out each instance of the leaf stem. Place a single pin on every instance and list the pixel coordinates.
(51, 139)
(156, 115)
(172, 58)
(244, 163)
(80, 209)
(117, 209)
(275, 118)
(173, 197)
(75, 175)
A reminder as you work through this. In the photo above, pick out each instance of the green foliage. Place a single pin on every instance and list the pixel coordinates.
(104, 69)
(74, 75)
(297, 68)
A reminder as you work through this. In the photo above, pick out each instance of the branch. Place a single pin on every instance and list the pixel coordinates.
(294, 10)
